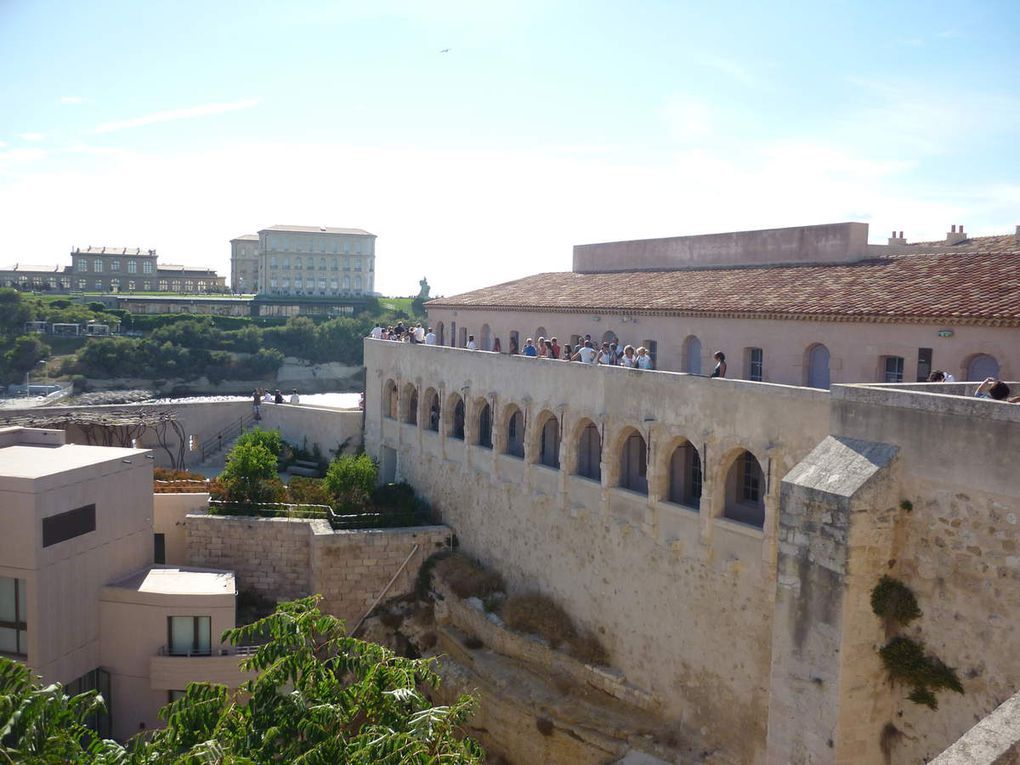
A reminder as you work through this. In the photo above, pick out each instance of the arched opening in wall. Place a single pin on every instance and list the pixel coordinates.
(817, 367)
(691, 361)
(484, 425)
(589, 451)
(610, 337)
(432, 410)
(515, 342)
(438, 331)
(485, 341)
(745, 491)
(634, 462)
(411, 395)
(685, 476)
(982, 366)
(455, 427)
(515, 432)
(549, 442)
(540, 332)
(389, 401)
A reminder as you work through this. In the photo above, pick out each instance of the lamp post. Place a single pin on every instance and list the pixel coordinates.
(28, 378)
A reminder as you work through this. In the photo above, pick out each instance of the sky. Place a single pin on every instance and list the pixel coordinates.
(480, 141)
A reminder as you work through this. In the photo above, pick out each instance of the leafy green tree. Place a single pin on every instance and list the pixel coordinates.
(43, 725)
(351, 480)
(270, 439)
(250, 475)
(27, 351)
(318, 697)
(14, 312)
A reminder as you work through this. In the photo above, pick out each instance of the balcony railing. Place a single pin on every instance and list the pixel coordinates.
(232, 650)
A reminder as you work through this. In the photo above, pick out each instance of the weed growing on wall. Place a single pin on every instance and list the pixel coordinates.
(905, 660)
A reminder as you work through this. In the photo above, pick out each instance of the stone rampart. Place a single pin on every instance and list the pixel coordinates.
(285, 558)
(763, 628)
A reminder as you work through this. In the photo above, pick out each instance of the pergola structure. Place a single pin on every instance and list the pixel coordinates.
(112, 427)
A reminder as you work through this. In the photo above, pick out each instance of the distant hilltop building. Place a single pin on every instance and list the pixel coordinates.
(113, 269)
(809, 305)
(318, 261)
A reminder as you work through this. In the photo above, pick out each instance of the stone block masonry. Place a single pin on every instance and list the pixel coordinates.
(286, 558)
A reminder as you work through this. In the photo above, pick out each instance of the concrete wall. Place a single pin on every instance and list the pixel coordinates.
(326, 427)
(169, 515)
(701, 612)
(282, 558)
(856, 348)
(831, 243)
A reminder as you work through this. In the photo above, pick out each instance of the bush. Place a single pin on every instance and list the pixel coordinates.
(270, 439)
(250, 476)
(468, 578)
(906, 662)
(308, 491)
(180, 481)
(350, 481)
(894, 602)
(398, 498)
(587, 648)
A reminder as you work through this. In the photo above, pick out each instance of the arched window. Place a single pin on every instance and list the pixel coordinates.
(745, 491)
(411, 417)
(634, 463)
(540, 332)
(685, 476)
(390, 400)
(610, 337)
(456, 408)
(982, 366)
(485, 426)
(549, 446)
(432, 404)
(692, 355)
(485, 341)
(515, 433)
(818, 366)
(589, 452)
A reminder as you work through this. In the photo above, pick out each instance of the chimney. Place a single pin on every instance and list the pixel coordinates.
(954, 236)
(897, 238)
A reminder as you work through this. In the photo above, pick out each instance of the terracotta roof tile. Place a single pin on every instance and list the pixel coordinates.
(977, 283)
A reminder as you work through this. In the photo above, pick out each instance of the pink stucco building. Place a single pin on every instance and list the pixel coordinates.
(810, 305)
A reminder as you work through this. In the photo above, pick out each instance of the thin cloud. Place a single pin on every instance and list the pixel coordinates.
(173, 115)
(72, 100)
(31, 136)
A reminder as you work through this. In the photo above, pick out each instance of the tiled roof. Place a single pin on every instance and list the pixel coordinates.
(320, 230)
(961, 284)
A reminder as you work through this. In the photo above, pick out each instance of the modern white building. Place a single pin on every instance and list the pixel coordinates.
(81, 601)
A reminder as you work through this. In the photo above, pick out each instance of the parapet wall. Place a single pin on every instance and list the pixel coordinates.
(286, 558)
(832, 243)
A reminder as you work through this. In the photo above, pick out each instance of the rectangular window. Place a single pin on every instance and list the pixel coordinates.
(172, 696)
(189, 635)
(752, 479)
(99, 285)
(132, 267)
(73, 523)
(176, 285)
(923, 364)
(164, 285)
(131, 284)
(115, 265)
(147, 267)
(147, 286)
(159, 548)
(13, 626)
(81, 265)
(894, 369)
(81, 284)
(97, 266)
(755, 364)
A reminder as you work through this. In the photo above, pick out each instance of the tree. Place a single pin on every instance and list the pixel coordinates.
(319, 696)
(351, 480)
(28, 350)
(250, 475)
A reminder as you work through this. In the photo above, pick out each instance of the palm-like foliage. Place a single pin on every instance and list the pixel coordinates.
(318, 697)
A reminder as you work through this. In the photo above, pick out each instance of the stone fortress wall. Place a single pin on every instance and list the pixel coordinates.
(758, 633)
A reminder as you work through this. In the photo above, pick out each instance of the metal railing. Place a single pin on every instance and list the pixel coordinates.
(233, 650)
(339, 522)
(215, 443)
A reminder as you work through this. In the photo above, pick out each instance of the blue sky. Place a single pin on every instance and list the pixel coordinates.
(179, 125)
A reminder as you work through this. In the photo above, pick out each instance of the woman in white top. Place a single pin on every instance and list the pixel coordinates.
(628, 359)
(606, 356)
(644, 361)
